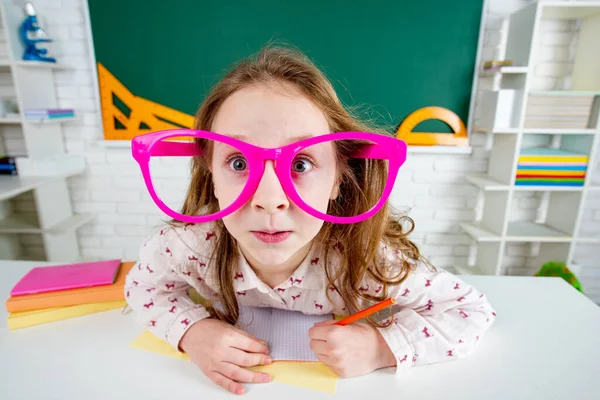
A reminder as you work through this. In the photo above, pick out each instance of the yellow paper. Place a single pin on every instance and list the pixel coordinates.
(310, 375)
(147, 341)
(24, 319)
(306, 374)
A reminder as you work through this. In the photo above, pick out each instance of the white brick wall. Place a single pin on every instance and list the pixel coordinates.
(432, 186)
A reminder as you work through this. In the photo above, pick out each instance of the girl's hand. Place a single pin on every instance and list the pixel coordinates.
(222, 351)
(350, 350)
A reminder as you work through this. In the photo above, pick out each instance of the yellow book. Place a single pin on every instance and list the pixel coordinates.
(566, 174)
(558, 160)
(307, 374)
(24, 319)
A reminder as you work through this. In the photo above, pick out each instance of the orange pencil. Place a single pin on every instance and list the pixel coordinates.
(366, 312)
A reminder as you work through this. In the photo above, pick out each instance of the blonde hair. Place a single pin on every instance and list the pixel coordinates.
(275, 64)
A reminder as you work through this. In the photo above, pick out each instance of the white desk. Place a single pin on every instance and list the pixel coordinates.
(544, 345)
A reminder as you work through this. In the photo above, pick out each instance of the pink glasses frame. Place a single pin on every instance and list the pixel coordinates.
(152, 144)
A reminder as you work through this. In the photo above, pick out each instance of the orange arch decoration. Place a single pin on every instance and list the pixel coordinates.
(458, 138)
(144, 115)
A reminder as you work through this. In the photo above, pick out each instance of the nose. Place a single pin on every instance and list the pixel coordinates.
(269, 195)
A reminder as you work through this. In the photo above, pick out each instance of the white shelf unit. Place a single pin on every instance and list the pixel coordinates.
(554, 233)
(37, 200)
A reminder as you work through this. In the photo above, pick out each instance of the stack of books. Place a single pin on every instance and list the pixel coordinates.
(47, 294)
(553, 111)
(8, 165)
(551, 167)
(48, 113)
(496, 64)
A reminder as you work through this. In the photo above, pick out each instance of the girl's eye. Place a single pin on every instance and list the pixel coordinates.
(238, 164)
(301, 165)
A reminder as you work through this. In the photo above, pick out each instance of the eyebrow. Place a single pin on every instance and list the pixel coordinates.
(290, 140)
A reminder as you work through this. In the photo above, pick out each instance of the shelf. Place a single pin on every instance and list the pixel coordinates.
(518, 231)
(496, 131)
(486, 183)
(547, 188)
(565, 92)
(20, 223)
(28, 223)
(76, 221)
(48, 121)
(536, 131)
(505, 70)
(10, 121)
(11, 186)
(478, 233)
(59, 166)
(41, 64)
(18, 121)
(569, 10)
(34, 64)
(521, 231)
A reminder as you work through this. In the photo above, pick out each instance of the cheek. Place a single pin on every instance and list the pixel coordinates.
(232, 223)
(317, 190)
(227, 189)
(310, 226)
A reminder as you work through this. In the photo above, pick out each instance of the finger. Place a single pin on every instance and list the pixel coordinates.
(245, 359)
(240, 374)
(319, 347)
(247, 342)
(248, 334)
(325, 359)
(326, 323)
(317, 333)
(226, 383)
(322, 332)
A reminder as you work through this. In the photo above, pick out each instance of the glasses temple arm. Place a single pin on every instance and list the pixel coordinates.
(373, 151)
(175, 149)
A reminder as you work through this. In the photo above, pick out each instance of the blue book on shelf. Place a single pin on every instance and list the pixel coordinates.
(537, 151)
(547, 183)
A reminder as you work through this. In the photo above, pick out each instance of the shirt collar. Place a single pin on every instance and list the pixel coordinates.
(310, 274)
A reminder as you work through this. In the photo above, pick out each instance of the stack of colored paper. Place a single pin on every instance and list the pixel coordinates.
(551, 167)
(47, 294)
(48, 113)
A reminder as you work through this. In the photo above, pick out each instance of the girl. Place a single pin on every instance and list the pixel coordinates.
(267, 234)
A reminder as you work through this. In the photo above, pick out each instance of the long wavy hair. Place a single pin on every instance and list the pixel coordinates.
(358, 244)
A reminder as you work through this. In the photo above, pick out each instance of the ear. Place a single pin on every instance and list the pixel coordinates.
(335, 190)
(215, 191)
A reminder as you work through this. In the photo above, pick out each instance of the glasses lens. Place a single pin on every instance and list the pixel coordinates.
(343, 178)
(209, 173)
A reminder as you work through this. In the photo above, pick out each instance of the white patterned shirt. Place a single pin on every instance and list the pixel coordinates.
(437, 316)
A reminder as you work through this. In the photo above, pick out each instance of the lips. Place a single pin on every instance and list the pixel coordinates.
(271, 236)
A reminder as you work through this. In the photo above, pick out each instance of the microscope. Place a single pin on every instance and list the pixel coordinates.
(32, 35)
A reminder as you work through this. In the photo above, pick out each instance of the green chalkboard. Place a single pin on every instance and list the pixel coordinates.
(394, 56)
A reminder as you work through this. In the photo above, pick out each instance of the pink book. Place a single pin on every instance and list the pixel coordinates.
(63, 277)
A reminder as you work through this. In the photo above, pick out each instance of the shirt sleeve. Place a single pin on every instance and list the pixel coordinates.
(158, 293)
(440, 318)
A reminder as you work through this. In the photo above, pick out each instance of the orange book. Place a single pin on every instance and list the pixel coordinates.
(72, 297)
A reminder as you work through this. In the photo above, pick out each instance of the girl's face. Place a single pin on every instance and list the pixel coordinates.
(270, 228)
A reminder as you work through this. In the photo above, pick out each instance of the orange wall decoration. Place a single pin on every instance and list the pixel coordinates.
(458, 138)
(138, 115)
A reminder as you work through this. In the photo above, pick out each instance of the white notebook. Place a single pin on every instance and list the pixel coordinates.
(286, 332)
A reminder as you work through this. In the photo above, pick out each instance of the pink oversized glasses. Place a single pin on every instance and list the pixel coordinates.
(300, 167)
